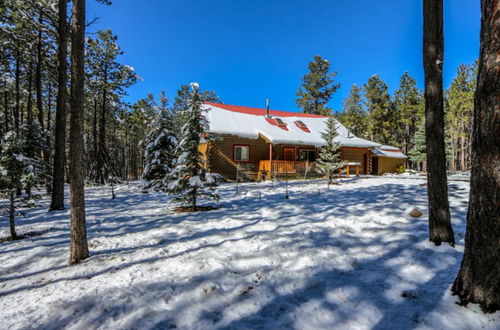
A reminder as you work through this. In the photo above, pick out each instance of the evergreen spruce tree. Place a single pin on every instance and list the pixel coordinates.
(189, 179)
(329, 157)
(353, 115)
(380, 108)
(160, 154)
(317, 88)
(417, 152)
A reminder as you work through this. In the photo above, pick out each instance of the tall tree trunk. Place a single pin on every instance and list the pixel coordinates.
(462, 152)
(12, 213)
(478, 278)
(18, 91)
(102, 154)
(49, 114)
(38, 73)
(6, 113)
(30, 96)
(78, 247)
(95, 146)
(452, 161)
(57, 202)
(30, 113)
(39, 97)
(440, 229)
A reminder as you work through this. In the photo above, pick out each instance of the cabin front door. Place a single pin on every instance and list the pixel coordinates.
(289, 154)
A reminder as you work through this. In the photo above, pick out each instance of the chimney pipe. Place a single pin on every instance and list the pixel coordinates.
(267, 108)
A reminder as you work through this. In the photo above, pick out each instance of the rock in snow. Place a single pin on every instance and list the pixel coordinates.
(415, 212)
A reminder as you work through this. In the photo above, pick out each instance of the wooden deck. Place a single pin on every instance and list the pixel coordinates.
(267, 168)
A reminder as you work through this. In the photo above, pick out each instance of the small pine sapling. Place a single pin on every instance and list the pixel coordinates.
(329, 156)
(189, 179)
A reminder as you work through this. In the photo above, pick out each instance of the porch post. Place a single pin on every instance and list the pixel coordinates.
(271, 160)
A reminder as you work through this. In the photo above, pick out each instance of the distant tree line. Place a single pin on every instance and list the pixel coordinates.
(371, 112)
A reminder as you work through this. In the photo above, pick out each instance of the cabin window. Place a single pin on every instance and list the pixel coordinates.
(241, 153)
(307, 155)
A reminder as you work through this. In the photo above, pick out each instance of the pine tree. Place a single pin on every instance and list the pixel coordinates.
(317, 88)
(189, 179)
(34, 144)
(353, 115)
(440, 229)
(380, 109)
(478, 279)
(79, 249)
(408, 105)
(109, 80)
(417, 152)
(180, 107)
(16, 168)
(329, 156)
(160, 153)
(458, 113)
(57, 201)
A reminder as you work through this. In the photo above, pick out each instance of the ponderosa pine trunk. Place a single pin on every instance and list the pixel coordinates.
(462, 153)
(38, 73)
(78, 246)
(57, 202)
(478, 280)
(102, 154)
(39, 96)
(17, 110)
(440, 229)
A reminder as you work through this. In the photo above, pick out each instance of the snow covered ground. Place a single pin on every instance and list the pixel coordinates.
(347, 258)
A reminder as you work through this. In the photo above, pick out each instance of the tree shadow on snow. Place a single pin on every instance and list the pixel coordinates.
(373, 295)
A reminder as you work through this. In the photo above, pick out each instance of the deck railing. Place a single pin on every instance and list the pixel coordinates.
(285, 166)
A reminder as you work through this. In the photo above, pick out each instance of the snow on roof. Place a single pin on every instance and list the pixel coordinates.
(389, 151)
(250, 122)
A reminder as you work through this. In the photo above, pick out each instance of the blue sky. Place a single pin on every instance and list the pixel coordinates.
(250, 50)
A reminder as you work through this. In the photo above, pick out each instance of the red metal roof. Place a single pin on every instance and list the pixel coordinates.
(261, 112)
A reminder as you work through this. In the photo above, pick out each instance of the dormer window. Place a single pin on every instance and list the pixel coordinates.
(277, 122)
(280, 122)
(300, 124)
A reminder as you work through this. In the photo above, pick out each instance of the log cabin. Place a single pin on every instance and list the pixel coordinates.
(256, 144)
